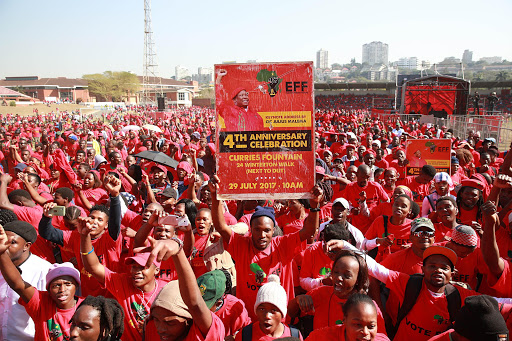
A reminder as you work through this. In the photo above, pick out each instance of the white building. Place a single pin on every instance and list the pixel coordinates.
(411, 63)
(181, 72)
(467, 56)
(322, 59)
(375, 52)
(204, 75)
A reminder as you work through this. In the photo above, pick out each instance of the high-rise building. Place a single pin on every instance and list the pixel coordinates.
(411, 63)
(467, 56)
(181, 72)
(322, 59)
(375, 52)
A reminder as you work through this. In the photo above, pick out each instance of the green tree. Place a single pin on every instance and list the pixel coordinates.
(336, 66)
(501, 76)
(113, 85)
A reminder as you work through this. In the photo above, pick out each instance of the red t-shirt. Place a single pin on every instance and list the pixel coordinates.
(467, 217)
(108, 252)
(504, 242)
(374, 195)
(196, 259)
(257, 334)
(337, 333)
(48, 319)
(289, 224)
(32, 215)
(429, 316)
(315, 263)
(215, 333)
(443, 336)
(442, 232)
(402, 234)
(419, 191)
(135, 308)
(275, 259)
(328, 309)
(233, 314)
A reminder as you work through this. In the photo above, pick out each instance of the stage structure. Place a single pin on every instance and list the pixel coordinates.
(438, 95)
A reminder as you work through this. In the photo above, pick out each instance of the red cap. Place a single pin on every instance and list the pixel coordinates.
(141, 259)
(235, 92)
(320, 170)
(370, 151)
(350, 146)
(159, 166)
(472, 183)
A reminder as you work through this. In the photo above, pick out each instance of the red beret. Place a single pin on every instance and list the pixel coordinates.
(472, 183)
(236, 92)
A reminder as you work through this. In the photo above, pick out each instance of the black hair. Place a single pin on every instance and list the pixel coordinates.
(229, 282)
(355, 300)
(36, 177)
(137, 172)
(337, 231)
(65, 193)
(19, 195)
(6, 216)
(327, 188)
(86, 166)
(405, 196)
(80, 151)
(72, 213)
(429, 170)
(482, 154)
(101, 208)
(190, 210)
(363, 279)
(111, 316)
(378, 172)
(112, 154)
(415, 210)
(447, 198)
(478, 205)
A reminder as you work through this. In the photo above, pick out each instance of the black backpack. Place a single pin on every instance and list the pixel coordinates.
(412, 291)
(247, 332)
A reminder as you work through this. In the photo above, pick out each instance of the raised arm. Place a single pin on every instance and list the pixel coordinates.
(89, 258)
(489, 247)
(31, 190)
(113, 187)
(10, 273)
(218, 211)
(312, 221)
(5, 179)
(162, 250)
(150, 194)
(46, 229)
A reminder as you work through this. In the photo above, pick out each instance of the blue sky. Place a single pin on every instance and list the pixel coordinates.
(72, 38)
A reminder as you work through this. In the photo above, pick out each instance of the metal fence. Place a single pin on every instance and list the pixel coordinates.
(496, 126)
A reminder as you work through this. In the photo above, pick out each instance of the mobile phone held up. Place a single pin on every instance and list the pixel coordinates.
(174, 220)
(58, 211)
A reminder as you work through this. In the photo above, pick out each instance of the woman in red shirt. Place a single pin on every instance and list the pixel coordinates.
(349, 276)
(360, 322)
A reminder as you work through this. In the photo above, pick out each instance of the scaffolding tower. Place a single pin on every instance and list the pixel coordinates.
(151, 83)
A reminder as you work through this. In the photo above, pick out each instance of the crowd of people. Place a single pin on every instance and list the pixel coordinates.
(99, 244)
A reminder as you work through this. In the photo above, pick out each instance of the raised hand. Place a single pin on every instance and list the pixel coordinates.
(85, 225)
(4, 240)
(503, 181)
(112, 185)
(160, 250)
(47, 208)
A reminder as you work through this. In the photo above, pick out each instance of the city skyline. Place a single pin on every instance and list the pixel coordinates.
(68, 39)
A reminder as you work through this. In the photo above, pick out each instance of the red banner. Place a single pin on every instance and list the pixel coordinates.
(265, 130)
(435, 152)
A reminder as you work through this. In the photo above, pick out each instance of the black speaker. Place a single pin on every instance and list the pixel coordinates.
(161, 103)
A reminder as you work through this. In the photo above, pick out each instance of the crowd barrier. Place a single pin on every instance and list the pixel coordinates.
(497, 126)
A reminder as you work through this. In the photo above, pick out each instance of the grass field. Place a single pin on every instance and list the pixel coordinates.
(28, 110)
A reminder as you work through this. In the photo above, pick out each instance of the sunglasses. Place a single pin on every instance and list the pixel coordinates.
(428, 234)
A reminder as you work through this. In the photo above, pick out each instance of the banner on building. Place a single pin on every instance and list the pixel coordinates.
(265, 130)
(434, 152)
